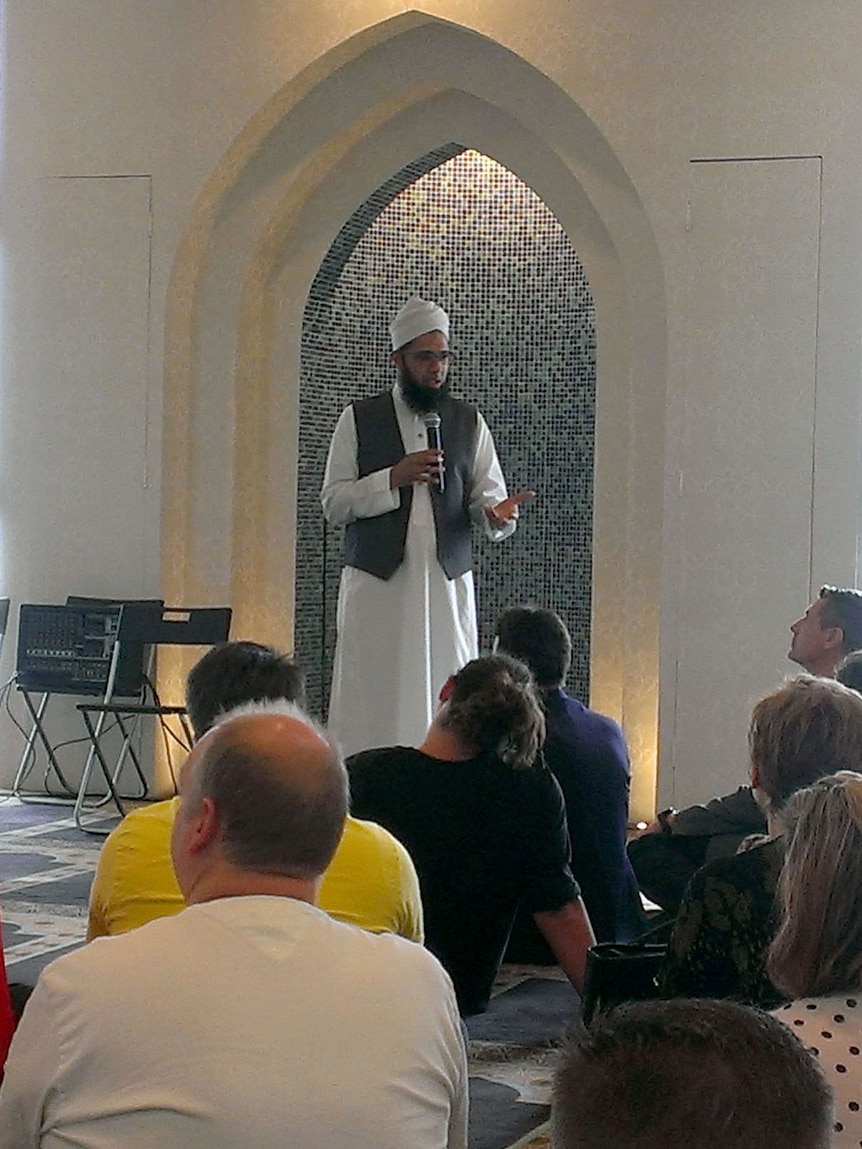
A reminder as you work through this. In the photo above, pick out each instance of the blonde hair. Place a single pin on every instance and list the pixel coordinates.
(818, 947)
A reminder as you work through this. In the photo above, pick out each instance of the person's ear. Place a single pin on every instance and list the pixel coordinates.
(447, 688)
(204, 826)
(833, 637)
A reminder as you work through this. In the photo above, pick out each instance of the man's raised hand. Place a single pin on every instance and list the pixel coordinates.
(507, 510)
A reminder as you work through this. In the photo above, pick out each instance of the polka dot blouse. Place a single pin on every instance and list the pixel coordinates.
(832, 1028)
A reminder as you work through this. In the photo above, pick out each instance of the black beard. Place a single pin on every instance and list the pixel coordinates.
(421, 400)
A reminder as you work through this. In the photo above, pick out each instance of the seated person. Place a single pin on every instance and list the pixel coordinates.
(816, 957)
(370, 882)
(251, 1018)
(484, 821)
(666, 854)
(809, 728)
(587, 754)
(672, 848)
(692, 1075)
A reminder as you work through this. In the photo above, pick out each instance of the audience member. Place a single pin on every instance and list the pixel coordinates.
(371, 881)
(809, 728)
(817, 954)
(692, 1075)
(587, 754)
(830, 629)
(251, 1018)
(677, 843)
(484, 823)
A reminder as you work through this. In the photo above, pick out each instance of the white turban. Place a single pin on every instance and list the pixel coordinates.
(417, 317)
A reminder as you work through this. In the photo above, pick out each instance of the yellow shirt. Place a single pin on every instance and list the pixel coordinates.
(371, 882)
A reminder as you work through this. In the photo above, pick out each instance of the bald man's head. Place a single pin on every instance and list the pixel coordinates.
(278, 787)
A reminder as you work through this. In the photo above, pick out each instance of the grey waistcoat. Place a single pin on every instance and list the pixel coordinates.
(376, 545)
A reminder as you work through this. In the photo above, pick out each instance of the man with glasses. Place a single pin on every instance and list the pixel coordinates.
(406, 608)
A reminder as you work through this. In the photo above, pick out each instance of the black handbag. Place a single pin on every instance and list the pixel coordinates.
(620, 972)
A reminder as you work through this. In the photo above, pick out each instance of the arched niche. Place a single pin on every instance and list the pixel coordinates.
(240, 280)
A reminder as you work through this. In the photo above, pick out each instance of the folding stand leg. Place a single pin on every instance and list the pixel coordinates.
(95, 754)
(127, 750)
(28, 757)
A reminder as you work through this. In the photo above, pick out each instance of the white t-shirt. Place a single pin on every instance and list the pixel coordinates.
(832, 1028)
(252, 1021)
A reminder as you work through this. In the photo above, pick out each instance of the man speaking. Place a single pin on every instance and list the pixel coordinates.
(406, 607)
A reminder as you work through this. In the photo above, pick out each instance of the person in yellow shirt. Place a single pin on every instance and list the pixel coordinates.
(371, 881)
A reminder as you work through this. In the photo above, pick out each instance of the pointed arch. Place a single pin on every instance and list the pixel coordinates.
(242, 272)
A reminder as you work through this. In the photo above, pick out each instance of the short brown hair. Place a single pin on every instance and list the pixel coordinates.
(540, 639)
(842, 607)
(693, 1075)
(809, 728)
(234, 673)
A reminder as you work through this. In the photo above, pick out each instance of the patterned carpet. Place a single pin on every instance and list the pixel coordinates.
(46, 866)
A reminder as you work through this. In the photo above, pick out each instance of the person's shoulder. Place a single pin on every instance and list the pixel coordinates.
(112, 960)
(537, 786)
(391, 952)
(164, 811)
(463, 404)
(594, 739)
(460, 408)
(742, 868)
(370, 402)
(382, 757)
(599, 725)
(384, 952)
(361, 833)
(144, 823)
(840, 1004)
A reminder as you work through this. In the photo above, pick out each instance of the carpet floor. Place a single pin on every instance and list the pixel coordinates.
(46, 866)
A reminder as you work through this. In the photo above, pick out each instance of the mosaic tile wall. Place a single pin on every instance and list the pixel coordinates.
(458, 228)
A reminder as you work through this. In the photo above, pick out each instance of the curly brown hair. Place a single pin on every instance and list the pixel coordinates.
(495, 708)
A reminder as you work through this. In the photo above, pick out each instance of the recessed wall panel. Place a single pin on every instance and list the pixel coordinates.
(743, 490)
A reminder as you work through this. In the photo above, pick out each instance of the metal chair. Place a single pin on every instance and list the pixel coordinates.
(151, 626)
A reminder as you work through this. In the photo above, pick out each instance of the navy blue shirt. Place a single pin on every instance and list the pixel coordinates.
(587, 754)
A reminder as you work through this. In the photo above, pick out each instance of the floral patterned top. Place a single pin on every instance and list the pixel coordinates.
(726, 921)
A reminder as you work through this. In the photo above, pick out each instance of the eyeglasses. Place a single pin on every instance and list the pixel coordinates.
(442, 357)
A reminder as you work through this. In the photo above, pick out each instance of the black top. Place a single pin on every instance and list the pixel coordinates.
(734, 816)
(483, 838)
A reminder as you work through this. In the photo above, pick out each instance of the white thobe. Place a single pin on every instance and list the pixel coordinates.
(399, 639)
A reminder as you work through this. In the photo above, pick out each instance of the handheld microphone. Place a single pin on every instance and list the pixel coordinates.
(435, 442)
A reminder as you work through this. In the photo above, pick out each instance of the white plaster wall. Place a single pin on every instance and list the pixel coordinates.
(161, 89)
